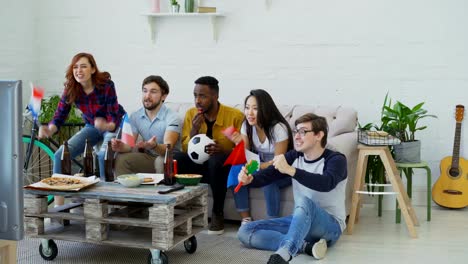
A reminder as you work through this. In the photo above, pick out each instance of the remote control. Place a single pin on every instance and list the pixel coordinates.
(174, 188)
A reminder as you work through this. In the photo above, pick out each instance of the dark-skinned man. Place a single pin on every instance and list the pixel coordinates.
(210, 117)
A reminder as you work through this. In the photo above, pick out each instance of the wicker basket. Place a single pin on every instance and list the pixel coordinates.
(376, 138)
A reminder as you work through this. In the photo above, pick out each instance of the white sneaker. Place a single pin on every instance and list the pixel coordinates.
(319, 249)
(246, 220)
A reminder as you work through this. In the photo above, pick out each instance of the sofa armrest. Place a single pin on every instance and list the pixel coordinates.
(347, 144)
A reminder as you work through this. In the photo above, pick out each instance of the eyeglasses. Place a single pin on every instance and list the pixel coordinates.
(301, 132)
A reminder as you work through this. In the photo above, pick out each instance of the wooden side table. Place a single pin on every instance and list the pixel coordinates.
(395, 180)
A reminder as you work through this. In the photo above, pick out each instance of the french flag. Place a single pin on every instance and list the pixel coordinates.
(127, 133)
(36, 99)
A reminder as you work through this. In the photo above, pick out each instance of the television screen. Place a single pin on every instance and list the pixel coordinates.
(11, 161)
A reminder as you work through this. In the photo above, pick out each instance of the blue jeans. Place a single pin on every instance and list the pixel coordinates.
(76, 145)
(308, 223)
(272, 194)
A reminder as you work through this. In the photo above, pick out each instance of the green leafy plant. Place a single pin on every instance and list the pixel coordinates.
(174, 2)
(398, 120)
(48, 107)
(402, 121)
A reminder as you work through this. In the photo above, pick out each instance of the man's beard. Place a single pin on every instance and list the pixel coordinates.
(152, 106)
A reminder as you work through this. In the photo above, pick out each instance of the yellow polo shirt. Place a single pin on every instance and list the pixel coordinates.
(227, 116)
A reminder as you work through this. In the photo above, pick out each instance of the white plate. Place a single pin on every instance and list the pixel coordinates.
(157, 177)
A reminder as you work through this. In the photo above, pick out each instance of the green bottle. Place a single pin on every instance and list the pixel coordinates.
(189, 6)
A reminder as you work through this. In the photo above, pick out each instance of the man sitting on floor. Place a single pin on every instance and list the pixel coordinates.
(319, 179)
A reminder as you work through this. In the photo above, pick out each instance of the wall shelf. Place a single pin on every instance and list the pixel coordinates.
(153, 17)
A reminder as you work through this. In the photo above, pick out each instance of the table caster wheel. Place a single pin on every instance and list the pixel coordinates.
(191, 245)
(162, 259)
(49, 252)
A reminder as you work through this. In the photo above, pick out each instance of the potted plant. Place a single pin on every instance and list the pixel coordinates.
(175, 6)
(73, 123)
(402, 121)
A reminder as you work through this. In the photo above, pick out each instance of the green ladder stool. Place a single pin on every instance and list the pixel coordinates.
(407, 168)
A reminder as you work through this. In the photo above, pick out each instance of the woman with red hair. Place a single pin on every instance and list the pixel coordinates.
(94, 94)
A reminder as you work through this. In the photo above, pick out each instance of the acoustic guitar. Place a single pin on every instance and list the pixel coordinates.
(451, 189)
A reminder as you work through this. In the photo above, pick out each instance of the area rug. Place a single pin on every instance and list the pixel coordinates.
(211, 250)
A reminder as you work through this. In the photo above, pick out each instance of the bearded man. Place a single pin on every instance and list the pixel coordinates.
(156, 124)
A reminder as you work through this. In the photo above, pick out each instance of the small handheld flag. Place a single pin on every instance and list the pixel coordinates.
(37, 93)
(251, 168)
(127, 133)
(237, 159)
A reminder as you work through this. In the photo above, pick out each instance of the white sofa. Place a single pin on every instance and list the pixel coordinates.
(342, 137)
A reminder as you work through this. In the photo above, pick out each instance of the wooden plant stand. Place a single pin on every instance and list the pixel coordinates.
(396, 183)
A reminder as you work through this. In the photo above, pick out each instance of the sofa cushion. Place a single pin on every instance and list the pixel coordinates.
(340, 119)
(180, 108)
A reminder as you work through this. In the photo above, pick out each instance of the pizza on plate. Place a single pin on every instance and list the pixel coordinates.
(63, 183)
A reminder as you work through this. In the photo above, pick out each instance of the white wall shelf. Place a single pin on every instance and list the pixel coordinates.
(152, 18)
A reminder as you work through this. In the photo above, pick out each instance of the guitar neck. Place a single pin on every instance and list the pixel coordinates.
(456, 146)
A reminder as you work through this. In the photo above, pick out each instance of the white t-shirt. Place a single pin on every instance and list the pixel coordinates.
(266, 150)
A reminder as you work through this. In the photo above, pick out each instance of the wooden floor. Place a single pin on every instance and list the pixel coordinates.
(381, 240)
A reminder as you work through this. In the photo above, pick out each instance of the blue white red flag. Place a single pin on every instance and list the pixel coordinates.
(37, 93)
(237, 159)
(127, 133)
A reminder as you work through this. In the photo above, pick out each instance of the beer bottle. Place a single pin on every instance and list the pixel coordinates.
(88, 160)
(65, 160)
(109, 163)
(168, 169)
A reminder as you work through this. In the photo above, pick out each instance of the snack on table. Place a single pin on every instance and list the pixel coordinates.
(188, 175)
(188, 179)
(63, 183)
(147, 179)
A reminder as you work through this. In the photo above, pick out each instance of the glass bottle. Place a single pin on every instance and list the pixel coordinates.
(65, 160)
(189, 6)
(168, 169)
(88, 160)
(109, 163)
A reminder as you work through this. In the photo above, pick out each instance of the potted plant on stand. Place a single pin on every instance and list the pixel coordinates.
(402, 122)
(175, 7)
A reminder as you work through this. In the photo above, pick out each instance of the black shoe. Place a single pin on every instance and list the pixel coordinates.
(216, 225)
(276, 259)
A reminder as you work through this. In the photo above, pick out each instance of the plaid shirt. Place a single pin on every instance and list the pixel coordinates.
(101, 102)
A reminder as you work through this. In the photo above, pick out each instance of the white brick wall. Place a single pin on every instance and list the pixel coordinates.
(301, 51)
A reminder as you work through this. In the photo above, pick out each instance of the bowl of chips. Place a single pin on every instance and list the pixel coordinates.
(129, 180)
(188, 179)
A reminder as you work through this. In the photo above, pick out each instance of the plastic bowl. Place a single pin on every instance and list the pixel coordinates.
(129, 180)
(188, 179)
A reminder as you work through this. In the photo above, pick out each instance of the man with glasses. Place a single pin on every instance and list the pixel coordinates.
(319, 179)
(156, 124)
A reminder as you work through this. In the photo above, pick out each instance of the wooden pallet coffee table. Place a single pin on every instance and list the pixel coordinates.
(163, 222)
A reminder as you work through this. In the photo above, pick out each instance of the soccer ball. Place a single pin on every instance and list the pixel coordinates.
(196, 148)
